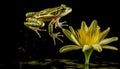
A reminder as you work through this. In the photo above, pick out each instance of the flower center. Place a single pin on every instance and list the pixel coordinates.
(89, 37)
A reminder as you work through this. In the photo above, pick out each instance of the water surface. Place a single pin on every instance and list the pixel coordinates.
(66, 64)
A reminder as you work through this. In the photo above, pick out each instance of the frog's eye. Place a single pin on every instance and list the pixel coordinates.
(63, 5)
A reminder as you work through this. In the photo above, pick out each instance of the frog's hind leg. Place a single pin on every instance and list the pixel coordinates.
(36, 30)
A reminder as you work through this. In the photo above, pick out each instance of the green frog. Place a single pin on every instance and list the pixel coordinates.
(36, 20)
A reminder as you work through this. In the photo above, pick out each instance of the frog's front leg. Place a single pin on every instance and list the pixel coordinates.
(60, 24)
(34, 26)
(53, 35)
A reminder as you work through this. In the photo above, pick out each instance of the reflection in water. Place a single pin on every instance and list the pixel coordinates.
(66, 64)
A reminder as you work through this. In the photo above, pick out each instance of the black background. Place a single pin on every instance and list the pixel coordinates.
(21, 43)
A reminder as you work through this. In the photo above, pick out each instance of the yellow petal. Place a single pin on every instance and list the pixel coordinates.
(84, 27)
(93, 26)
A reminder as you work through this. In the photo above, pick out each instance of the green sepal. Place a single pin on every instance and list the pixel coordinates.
(108, 40)
(72, 31)
(70, 36)
(97, 47)
(67, 34)
(110, 47)
(69, 48)
(86, 47)
(104, 34)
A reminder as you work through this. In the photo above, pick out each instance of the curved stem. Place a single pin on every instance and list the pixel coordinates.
(87, 54)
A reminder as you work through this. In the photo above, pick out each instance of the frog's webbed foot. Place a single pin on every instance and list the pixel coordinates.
(60, 24)
(36, 29)
(56, 36)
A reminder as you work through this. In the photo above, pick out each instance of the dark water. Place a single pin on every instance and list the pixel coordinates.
(59, 64)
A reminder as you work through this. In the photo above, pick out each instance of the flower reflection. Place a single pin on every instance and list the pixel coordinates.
(66, 64)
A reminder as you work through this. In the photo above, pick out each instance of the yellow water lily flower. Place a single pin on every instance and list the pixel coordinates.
(88, 39)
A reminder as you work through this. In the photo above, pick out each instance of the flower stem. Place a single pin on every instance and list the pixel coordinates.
(87, 54)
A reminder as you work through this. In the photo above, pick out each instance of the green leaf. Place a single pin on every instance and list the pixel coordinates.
(108, 40)
(97, 47)
(110, 47)
(69, 48)
(104, 34)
